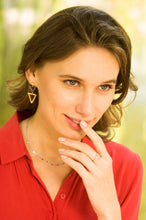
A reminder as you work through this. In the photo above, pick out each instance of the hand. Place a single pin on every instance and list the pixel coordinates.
(95, 169)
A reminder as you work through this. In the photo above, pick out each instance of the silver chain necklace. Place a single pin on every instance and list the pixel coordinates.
(38, 155)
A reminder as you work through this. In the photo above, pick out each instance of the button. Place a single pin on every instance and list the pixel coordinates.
(62, 196)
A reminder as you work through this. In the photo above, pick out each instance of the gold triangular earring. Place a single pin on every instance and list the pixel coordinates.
(31, 95)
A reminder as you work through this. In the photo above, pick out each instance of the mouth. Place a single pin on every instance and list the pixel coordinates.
(75, 123)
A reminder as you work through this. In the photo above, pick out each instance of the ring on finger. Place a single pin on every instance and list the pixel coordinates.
(97, 156)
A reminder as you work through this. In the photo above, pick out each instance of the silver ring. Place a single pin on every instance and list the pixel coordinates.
(96, 156)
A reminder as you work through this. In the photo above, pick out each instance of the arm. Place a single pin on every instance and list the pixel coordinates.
(132, 189)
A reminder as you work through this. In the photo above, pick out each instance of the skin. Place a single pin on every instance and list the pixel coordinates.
(85, 99)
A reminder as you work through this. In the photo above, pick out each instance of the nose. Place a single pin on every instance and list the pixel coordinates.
(86, 104)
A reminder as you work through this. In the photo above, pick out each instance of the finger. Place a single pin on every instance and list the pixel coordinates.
(80, 157)
(96, 157)
(95, 138)
(78, 167)
(82, 147)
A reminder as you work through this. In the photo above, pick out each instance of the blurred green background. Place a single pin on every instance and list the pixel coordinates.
(19, 19)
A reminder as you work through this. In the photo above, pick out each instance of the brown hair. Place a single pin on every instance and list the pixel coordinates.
(60, 36)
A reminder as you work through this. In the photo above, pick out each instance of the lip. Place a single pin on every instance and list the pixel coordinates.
(73, 122)
(79, 120)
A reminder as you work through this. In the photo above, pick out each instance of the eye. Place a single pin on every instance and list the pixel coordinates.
(105, 87)
(71, 82)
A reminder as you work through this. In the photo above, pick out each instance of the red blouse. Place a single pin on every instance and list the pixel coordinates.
(24, 196)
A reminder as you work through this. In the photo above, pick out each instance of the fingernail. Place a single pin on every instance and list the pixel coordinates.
(61, 150)
(63, 157)
(84, 124)
(61, 139)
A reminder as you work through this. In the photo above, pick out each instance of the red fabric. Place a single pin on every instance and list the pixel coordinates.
(23, 195)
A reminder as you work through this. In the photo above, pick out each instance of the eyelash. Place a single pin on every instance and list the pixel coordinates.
(69, 82)
(74, 83)
(108, 87)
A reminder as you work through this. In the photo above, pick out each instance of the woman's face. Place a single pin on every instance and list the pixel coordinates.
(80, 87)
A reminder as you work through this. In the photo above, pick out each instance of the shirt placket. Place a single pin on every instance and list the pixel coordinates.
(50, 203)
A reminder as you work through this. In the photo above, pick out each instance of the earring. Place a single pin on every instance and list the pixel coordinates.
(31, 94)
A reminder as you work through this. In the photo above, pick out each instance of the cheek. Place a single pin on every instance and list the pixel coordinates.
(59, 98)
(52, 93)
(105, 102)
(64, 99)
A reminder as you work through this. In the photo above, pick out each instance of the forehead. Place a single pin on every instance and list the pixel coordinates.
(87, 63)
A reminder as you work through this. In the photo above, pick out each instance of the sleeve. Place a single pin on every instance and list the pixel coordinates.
(131, 188)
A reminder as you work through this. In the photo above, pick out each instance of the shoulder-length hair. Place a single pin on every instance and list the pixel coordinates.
(63, 34)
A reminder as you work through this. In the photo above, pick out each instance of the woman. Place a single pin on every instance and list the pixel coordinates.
(74, 75)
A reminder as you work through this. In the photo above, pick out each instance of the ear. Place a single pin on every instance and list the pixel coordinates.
(31, 77)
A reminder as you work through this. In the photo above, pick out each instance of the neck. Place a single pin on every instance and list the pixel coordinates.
(41, 140)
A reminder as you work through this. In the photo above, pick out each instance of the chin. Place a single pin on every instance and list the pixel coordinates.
(75, 135)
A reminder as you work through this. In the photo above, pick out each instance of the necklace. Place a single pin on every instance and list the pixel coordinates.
(38, 155)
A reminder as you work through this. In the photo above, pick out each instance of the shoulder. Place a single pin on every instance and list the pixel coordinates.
(122, 154)
(7, 135)
(12, 125)
(127, 165)
(8, 127)
(12, 144)
(128, 176)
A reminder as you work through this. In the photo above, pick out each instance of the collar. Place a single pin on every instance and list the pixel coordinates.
(12, 142)
(11, 139)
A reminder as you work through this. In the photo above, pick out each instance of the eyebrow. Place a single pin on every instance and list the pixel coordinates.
(114, 81)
